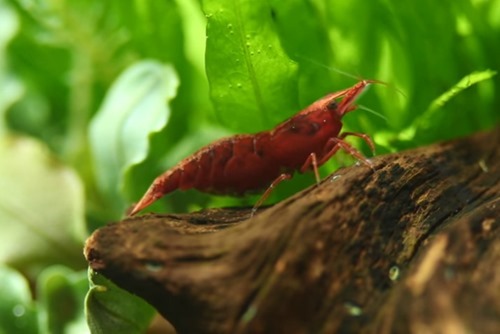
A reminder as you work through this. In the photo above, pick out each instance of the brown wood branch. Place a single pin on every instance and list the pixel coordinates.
(411, 247)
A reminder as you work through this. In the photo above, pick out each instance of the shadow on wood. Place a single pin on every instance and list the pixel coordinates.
(413, 246)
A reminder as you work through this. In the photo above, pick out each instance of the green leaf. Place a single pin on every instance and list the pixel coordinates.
(134, 108)
(9, 24)
(41, 206)
(61, 293)
(253, 84)
(307, 43)
(464, 83)
(432, 114)
(110, 309)
(17, 311)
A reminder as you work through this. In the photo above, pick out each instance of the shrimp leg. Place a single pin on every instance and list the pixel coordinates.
(265, 195)
(336, 143)
(332, 146)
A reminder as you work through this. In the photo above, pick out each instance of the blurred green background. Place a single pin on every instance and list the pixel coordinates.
(97, 98)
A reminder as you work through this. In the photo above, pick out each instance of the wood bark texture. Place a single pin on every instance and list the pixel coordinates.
(412, 246)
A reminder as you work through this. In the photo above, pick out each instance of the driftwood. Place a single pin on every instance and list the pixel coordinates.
(412, 247)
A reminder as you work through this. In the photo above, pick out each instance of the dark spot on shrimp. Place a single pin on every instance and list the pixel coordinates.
(310, 129)
(332, 105)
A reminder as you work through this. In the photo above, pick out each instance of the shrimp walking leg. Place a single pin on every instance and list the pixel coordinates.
(363, 136)
(340, 144)
(268, 191)
(331, 147)
(311, 162)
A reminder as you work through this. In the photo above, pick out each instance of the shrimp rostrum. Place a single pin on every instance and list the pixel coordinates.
(251, 162)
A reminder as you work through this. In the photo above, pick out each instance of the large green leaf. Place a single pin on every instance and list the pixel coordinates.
(307, 43)
(41, 206)
(17, 311)
(253, 84)
(110, 309)
(135, 106)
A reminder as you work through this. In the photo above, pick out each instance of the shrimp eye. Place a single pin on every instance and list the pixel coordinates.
(332, 105)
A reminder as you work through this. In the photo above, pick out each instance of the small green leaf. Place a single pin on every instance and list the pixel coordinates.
(110, 309)
(424, 122)
(464, 83)
(61, 293)
(41, 206)
(17, 312)
(253, 84)
(135, 107)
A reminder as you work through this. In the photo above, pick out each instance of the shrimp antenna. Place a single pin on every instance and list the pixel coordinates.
(349, 75)
(372, 112)
(332, 69)
(388, 85)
